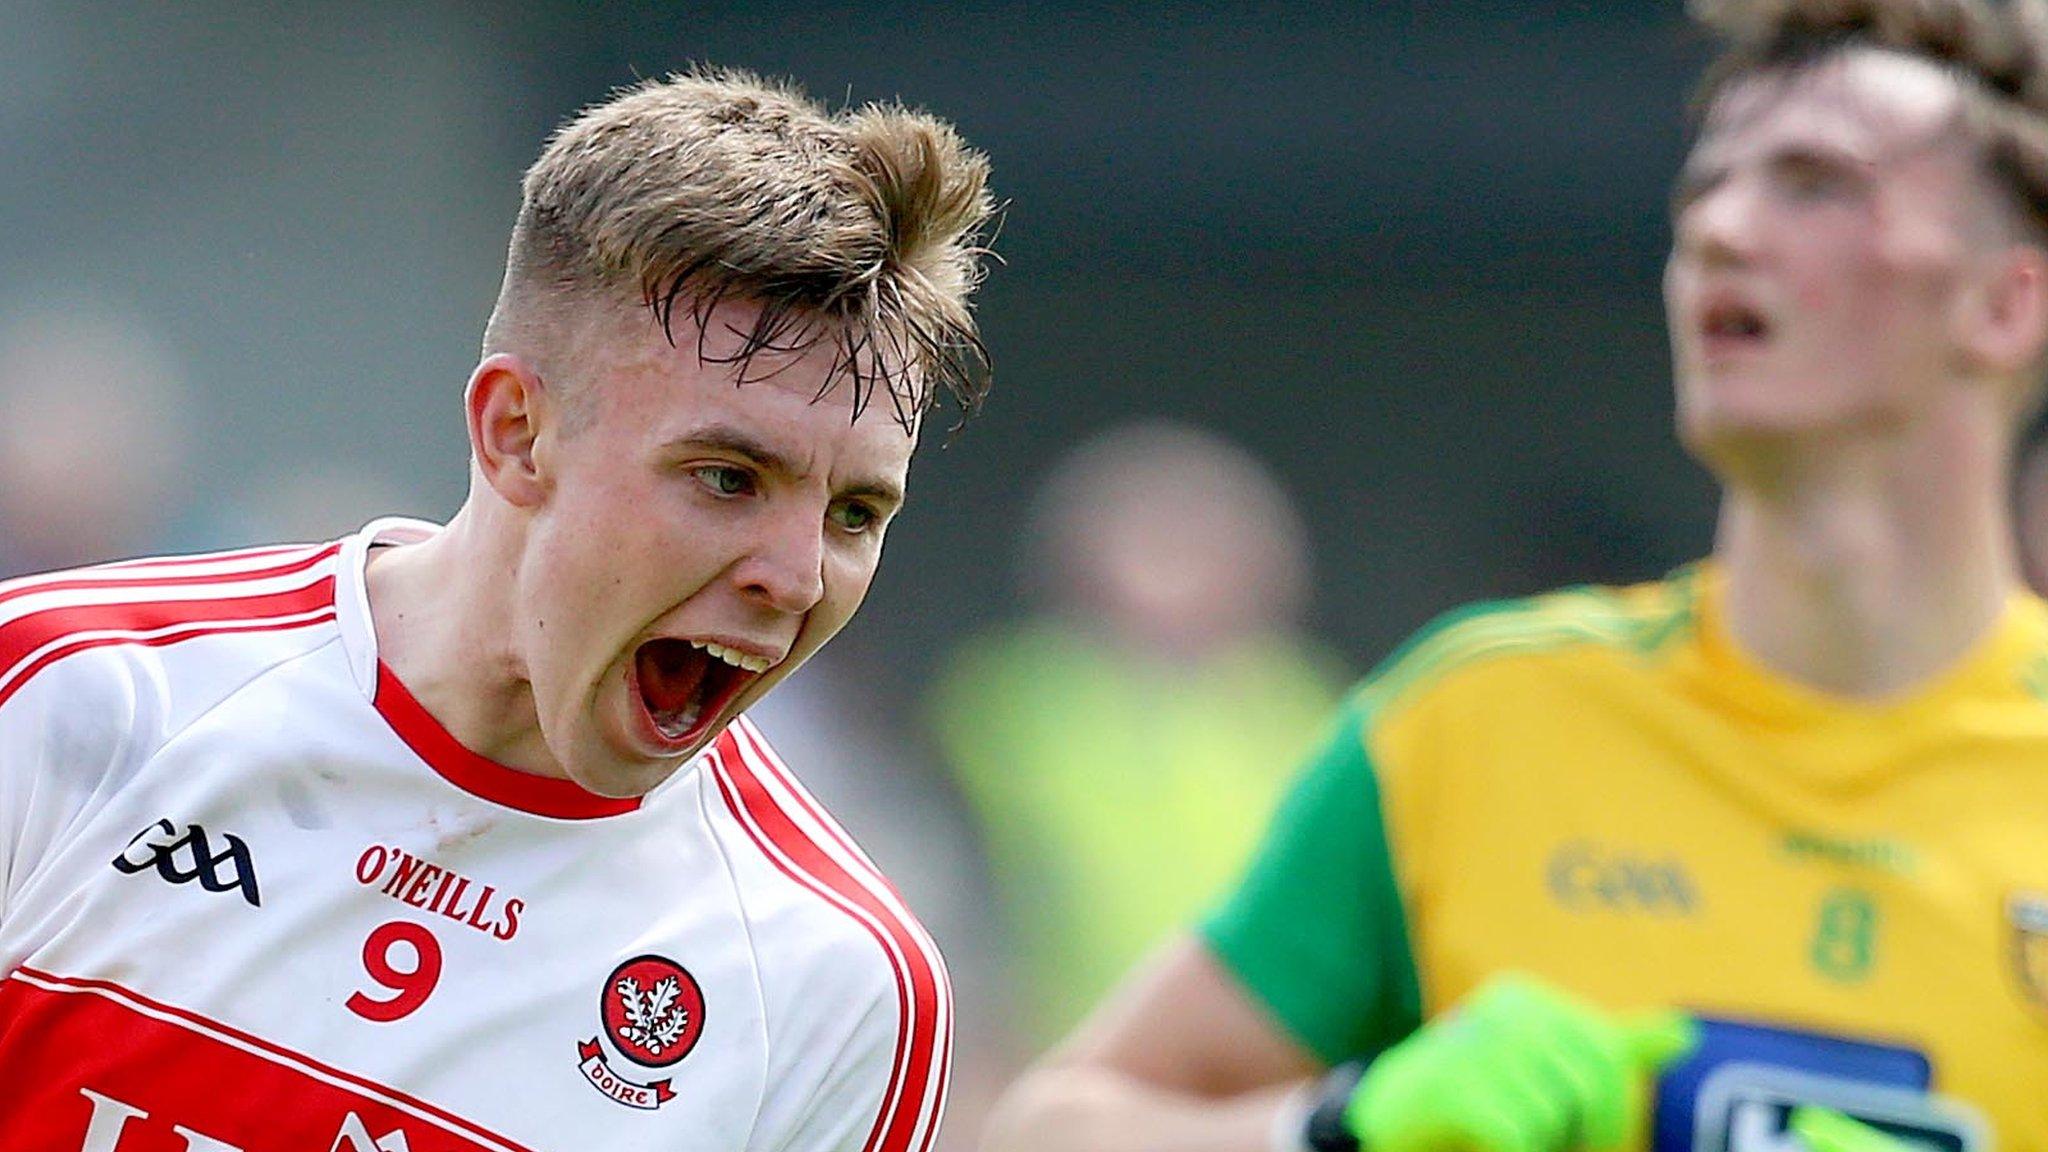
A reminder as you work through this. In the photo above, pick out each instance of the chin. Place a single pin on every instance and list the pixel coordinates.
(622, 781)
(1741, 409)
(1759, 451)
(1763, 419)
(623, 773)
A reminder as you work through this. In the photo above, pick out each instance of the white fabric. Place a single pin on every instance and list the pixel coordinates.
(241, 695)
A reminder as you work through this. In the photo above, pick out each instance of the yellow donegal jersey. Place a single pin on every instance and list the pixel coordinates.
(1596, 787)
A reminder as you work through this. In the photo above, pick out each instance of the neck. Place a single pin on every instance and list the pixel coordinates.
(448, 636)
(1866, 571)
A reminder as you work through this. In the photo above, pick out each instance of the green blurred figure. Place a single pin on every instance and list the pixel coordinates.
(1122, 750)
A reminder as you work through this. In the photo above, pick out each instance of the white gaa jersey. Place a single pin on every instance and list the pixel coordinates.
(253, 898)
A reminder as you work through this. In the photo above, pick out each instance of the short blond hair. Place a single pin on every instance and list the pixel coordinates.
(862, 227)
(1997, 51)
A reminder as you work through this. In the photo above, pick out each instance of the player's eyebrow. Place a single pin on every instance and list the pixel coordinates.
(733, 441)
(766, 457)
(881, 492)
(1694, 180)
(1790, 159)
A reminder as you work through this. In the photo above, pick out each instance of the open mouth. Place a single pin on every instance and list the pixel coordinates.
(1732, 322)
(685, 685)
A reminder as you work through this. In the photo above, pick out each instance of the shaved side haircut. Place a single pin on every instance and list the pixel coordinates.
(861, 227)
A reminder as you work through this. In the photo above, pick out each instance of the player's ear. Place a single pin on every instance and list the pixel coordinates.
(508, 407)
(2006, 320)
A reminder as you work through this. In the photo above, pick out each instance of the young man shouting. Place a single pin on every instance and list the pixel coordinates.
(453, 837)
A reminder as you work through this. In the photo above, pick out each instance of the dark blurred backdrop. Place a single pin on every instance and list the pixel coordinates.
(1406, 252)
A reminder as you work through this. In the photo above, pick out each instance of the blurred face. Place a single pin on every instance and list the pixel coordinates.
(1821, 236)
(698, 539)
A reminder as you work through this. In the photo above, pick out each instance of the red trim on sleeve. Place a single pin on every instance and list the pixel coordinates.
(93, 579)
(480, 775)
(908, 1115)
(32, 642)
(160, 640)
(751, 740)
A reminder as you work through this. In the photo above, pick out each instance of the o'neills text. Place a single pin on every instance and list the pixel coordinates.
(403, 876)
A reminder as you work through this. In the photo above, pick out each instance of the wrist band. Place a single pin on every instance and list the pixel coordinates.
(1325, 1130)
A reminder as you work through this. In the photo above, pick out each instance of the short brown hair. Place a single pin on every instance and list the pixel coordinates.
(1997, 50)
(862, 227)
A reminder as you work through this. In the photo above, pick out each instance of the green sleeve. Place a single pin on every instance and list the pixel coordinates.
(1315, 930)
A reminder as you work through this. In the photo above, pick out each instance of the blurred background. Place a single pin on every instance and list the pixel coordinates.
(1315, 320)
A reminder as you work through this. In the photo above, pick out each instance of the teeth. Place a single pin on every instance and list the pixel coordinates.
(736, 659)
(674, 727)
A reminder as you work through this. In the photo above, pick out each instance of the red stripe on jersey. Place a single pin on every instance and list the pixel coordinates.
(890, 1094)
(911, 1095)
(481, 775)
(28, 643)
(159, 640)
(758, 747)
(155, 1068)
(75, 581)
(752, 742)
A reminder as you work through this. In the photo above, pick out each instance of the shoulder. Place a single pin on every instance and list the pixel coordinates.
(854, 988)
(1476, 646)
(117, 644)
(806, 867)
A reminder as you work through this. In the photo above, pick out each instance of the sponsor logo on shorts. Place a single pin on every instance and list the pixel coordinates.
(652, 1012)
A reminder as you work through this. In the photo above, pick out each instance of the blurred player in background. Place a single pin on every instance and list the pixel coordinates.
(1767, 835)
(94, 440)
(452, 837)
(1166, 675)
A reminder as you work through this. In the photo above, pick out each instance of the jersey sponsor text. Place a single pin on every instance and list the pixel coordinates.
(405, 877)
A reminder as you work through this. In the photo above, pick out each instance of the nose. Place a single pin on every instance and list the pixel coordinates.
(1718, 227)
(785, 567)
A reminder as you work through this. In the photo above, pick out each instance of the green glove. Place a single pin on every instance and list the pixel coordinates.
(1826, 1130)
(1519, 1067)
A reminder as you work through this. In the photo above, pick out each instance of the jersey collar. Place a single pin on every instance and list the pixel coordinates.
(475, 774)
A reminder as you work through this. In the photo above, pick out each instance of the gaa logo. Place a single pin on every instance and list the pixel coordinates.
(653, 1013)
(181, 857)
